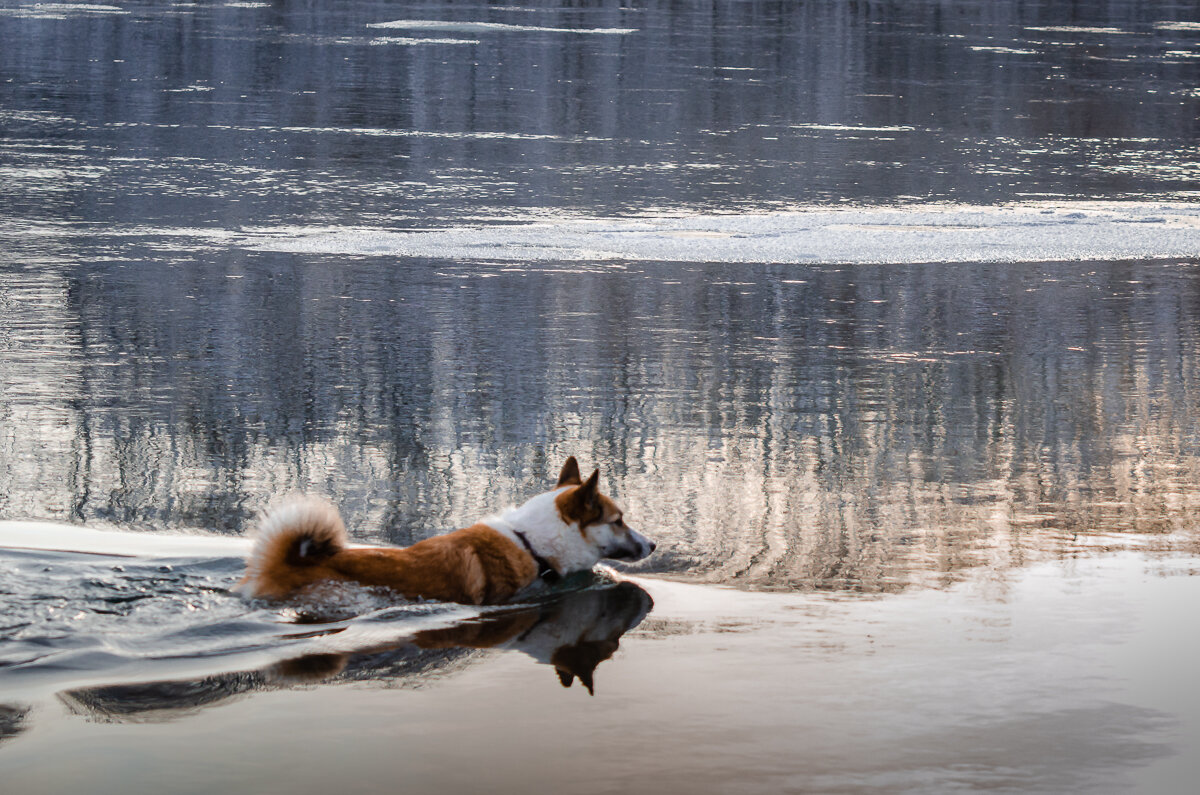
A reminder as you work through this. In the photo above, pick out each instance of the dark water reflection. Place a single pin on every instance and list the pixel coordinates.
(292, 110)
(571, 634)
(803, 427)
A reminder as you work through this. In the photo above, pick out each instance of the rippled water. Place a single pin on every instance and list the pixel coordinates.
(425, 113)
(888, 309)
(781, 426)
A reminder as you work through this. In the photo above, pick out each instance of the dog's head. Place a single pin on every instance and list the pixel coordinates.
(599, 520)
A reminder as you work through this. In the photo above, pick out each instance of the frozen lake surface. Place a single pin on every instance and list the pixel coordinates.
(882, 319)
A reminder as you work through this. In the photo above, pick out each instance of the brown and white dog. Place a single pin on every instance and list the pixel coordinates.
(568, 529)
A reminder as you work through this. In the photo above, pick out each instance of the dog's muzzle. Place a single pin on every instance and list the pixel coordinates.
(634, 546)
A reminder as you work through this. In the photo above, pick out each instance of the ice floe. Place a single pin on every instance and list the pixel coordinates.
(1026, 232)
(56, 537)
(489, 27)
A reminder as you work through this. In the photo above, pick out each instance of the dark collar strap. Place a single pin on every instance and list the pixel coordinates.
(546, 572)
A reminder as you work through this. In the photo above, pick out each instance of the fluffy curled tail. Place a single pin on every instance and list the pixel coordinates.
(294, 538)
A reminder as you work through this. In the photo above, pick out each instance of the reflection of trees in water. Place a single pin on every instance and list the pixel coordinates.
(801, 427)
(770, 432)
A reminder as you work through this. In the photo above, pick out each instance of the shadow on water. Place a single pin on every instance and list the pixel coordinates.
(571, 633)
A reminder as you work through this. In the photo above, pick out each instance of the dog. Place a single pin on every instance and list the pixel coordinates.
(567, 529)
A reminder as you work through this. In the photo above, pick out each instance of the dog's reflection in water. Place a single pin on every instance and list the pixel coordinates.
(573, 632)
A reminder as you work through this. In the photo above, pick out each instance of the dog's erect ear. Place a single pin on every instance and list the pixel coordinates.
(586, 494)
(570, 473)
(582, 503)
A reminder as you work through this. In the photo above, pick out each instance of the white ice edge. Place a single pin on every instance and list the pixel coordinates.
(490, 27)
(57, 537)
(1025, 232)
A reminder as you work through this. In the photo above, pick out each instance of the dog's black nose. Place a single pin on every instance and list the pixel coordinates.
(653, 546)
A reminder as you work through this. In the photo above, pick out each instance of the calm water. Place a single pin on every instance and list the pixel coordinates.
(286, 112)
(957, 502)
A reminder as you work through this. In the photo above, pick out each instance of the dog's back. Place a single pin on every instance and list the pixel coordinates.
(567, 529)
(303, 541)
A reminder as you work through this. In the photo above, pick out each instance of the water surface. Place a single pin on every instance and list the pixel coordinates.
(426, 113)
(923, 525)
(804, 427)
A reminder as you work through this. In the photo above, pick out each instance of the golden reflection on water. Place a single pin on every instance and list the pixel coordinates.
(803, 428)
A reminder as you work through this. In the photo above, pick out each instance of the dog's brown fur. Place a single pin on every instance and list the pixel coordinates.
(475, 565)
(304, 542)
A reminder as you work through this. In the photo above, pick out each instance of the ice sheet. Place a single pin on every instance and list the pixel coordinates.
(489, 27)
(53, 536)
(1027, 232)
